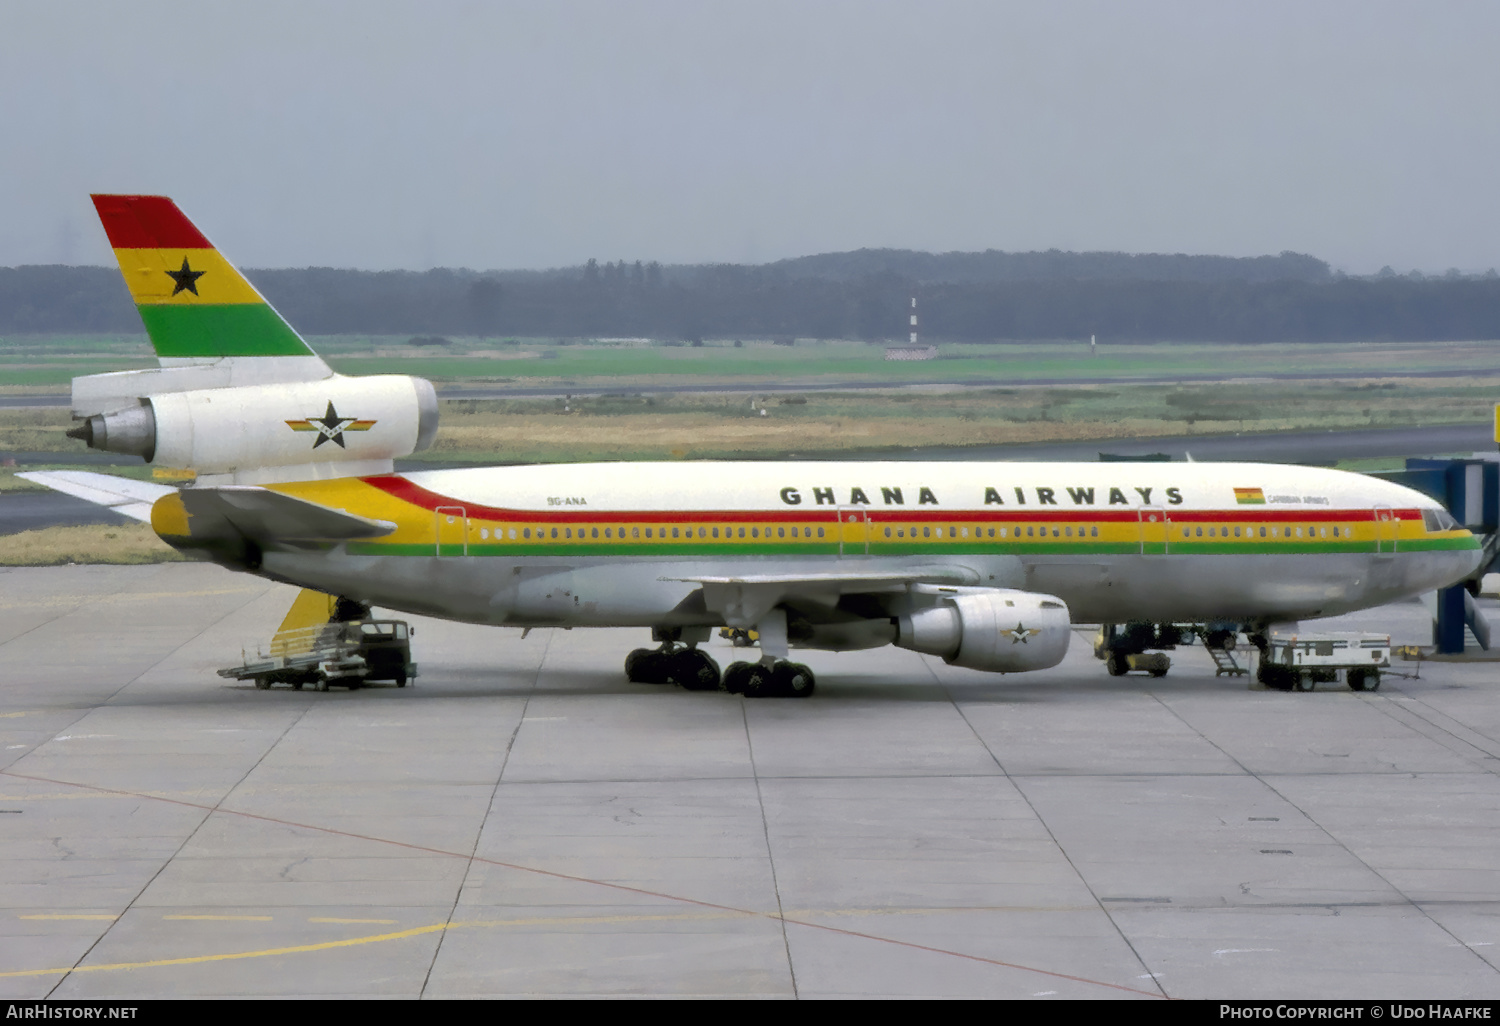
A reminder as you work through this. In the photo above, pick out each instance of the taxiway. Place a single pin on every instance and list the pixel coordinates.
(524, 822)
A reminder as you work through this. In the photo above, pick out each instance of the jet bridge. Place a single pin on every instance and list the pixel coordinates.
(1470, 490)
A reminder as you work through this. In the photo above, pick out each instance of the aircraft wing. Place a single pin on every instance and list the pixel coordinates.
(853, 581)
(124, 495)
(745, 600)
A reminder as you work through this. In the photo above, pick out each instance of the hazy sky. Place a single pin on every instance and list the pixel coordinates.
(379, 134)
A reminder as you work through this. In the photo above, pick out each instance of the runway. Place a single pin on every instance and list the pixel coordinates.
(524, 822)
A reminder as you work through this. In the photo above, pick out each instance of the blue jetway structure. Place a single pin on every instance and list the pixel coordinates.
(1470, 490)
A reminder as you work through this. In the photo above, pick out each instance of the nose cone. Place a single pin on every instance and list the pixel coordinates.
(1449, 557)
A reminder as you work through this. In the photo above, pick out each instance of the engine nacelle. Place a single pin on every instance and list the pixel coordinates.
(222, 430)
(990, 629)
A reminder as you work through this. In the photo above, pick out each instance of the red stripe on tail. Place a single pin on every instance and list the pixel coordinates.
(147, 222)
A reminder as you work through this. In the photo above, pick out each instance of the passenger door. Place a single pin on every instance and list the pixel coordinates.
(854, 531)
(1386, 525)
(451, 530)
(1156, 531)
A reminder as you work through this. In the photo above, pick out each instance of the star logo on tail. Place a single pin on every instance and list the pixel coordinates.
(330, 427)
(186, 278)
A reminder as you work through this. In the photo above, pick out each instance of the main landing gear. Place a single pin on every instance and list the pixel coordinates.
(673, 664)
(695, 670)
(782, 679)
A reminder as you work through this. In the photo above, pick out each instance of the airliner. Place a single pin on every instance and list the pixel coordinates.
(986, 565)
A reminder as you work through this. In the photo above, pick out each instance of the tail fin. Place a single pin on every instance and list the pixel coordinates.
(196, 306)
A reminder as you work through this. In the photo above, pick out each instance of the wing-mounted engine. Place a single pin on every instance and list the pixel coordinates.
(274, 431)
(989, 629)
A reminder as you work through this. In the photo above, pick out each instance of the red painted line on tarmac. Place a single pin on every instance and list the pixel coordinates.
(587, 880)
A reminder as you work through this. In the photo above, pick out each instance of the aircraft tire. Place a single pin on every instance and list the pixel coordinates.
(695, 670)
(733, 680)
(262, 684)
(1277, 678)
(792, 680)
(647, 666)
(1115, 663)
(757, 681)
(1159, 673)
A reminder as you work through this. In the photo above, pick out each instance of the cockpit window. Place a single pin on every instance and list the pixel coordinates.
(1438, 520)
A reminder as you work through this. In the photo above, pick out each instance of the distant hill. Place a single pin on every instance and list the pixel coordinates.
(995, 266)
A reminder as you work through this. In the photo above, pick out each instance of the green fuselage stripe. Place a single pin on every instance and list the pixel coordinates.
(239, 329)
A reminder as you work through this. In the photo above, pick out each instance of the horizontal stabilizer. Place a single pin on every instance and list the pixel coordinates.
(266, 516)
(124, 495)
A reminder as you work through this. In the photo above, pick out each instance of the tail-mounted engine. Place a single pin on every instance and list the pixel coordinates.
(990, 629)
(251, 427)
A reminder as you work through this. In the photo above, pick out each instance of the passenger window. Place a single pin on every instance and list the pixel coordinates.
(512, 534)
(781, 532)
(742, 532)
(1299, 532)
(939, 532)
(1068, 531)
(1094, 531)
(554, 532)
(648, 532)
(1262, 532)
(635, 532)
(965, 532)
(1200, 532)
(674, 532)
(594, 532)
(887, 532)
(926, 532)
(992, 532)
(1029, 529)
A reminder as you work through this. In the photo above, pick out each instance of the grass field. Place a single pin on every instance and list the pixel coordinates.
(48, 363)
(702, 426)
(625, 426)
(58, 546)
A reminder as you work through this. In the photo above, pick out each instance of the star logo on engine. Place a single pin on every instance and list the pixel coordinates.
(1020, 634)
(330, 427)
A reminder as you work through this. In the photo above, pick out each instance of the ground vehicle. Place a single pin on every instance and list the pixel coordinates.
(1301, 661)
(345, 653)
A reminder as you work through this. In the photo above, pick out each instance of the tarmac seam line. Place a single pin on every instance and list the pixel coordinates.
(554, 874)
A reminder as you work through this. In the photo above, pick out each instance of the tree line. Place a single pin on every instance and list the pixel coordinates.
(865, 295)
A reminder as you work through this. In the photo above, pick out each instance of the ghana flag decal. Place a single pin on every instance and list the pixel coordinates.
(194, 302)
(1249, 497)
